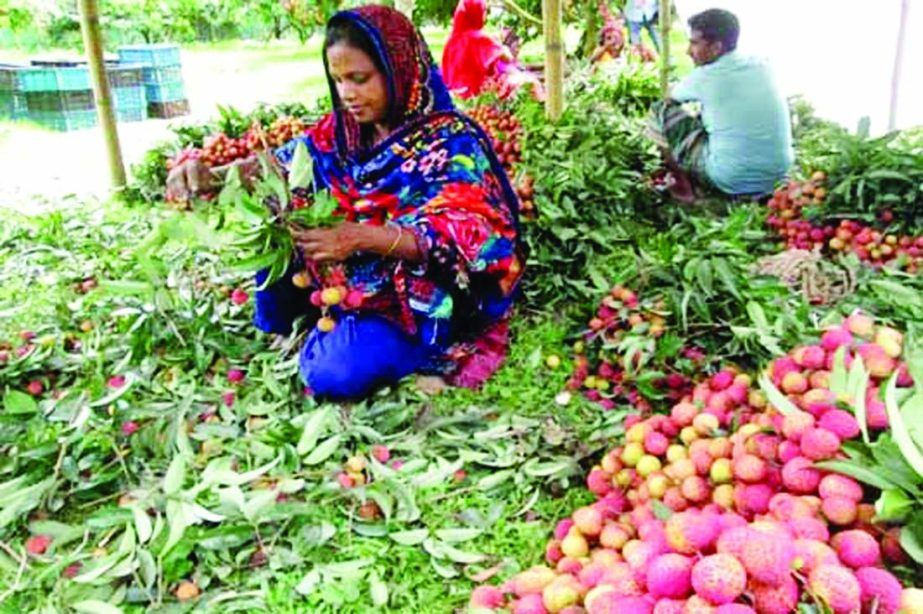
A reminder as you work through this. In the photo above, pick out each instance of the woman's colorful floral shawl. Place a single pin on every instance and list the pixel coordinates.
(437, 177)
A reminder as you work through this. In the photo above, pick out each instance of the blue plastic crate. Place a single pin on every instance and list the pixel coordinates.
(130, 75)
(51, 79)
(65, 121)
(130, 103)
(162, 74)
(150, 55)
(166, 92)
(12, 100)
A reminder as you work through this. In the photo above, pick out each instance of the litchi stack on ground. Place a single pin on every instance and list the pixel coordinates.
(719, 507)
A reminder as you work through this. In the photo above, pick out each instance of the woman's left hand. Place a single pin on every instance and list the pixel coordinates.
(330, 244)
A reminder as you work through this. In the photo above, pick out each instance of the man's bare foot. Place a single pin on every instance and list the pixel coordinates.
(430, 384)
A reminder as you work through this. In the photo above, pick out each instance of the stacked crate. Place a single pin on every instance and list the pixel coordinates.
(58, 97)
(126, 83)
(12, 102)
(163, 78)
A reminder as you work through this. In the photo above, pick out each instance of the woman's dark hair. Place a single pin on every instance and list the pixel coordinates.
(717, 26)
(348, 32)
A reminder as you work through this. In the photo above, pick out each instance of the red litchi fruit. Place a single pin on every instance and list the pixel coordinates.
(819, 444)
(780, 599)
(235, 376)
(818, 401)
(721, 380)
(879, 588)
(614, 536)
(683, 413)
(675, 500)
(563, 591)
(695, 489)
(638, 554)
(876, 414)
(129, 428)
(719, 578)
(860, 325)
(691, 531)
(788, 450)
(529, 604)
(819, 380)
(656, 443)
(782, 367)
(698, 605)
(837, 587)
(732, 541)
(239, 297)
(891, 547)
(588, 520)
(116, 381)
(563, 528)
(531, 581)
(807, 527)
(735, 608)
(841, 423)
(876, 360)
(37, 544)
(785, 506)
(811, 554)
(810, 357)
(835, 485)
(345, 481)
(835, 338)
(839, 510)
(794, 383)
(35, 388)
(669, 606)
(669, 575)
(857, 549)
(575, 545)
(750, 468)
(796, 424)
(599, 482)
(553, 552)
(381, 453)
(799, 476)
(591, 573)
(767, 557)
(488, 597)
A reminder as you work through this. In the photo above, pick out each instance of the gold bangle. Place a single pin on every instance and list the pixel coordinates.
(400, 235)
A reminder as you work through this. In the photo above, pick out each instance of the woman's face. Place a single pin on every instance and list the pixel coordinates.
(362, 88)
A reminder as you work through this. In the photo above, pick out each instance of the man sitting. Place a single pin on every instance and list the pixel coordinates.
(739, 139)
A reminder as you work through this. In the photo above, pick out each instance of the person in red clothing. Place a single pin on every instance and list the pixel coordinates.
(473, 61)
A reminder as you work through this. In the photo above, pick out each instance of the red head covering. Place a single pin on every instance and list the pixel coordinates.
(413, 88)
(469, 53)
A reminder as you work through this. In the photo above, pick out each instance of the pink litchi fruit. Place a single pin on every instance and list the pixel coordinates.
(529, 604)
(836, 485)
(129, 428)
(857, 549)
(569, 565)
(796, 424)
(531, 581)
(752, 499)
(879, 588)
(890, 340)
(37, 544)
(810, 357)
(750, 468)
(612, 504)
(721, 380)
(623, 579)
(860, 325)
(228, 398)
(735, 608)
(638, 554)
(785, 506)
(732, 541)
(575, 545)
(841, 423)
(691, 531)
(599, 482)
(239, 297)
(344, 480)
(669, 575)
(780, 599)
(563, 528)
(818, 401)
(911, 601)
(839, 510)
(488, 597)
(876, 360)
(719, 578)
(904, 379)
(799, 476)
(656, 443)
(876, 414)
(782, 367)
(835, 338)
(588, 520)
(563, 591)
(628, 605)
(235, 376)
(811, 554)
(794, 382)
(738, 393)
(683, 413)
(381, 454)
(837, 587)
(669, 606)
(767, 557)
(116, 381)
(695, 489)
(553, 552)
(819, 444)
(807, 527)
(614, 536)
(673, 498)
(788, 450)
(591, 573)
(606, 556)
(819, 379)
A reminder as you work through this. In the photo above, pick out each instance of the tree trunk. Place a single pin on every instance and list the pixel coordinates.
(92, 42)
(554, 59)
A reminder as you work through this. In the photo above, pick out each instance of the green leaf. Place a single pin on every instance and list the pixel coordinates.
(839, 380)
(912, 541)
(489, 482)
(308, 583)
(301, 171)
(176, 475)
(378, 590)
(92, 606)
(455, 536)
(17, 402)
(893, 505)
(312, 430)
(899, 432)
(323, 451)
(461, 556)
(857, 471)
(413, 537)
(857, 385)
(776, 398)
(661, 511)
(912, 411)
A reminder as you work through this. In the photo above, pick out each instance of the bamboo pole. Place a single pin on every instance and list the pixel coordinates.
(665, 48)
(554, 59)
(898, 65)
(92, 42)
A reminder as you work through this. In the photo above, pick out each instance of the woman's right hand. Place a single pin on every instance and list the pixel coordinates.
(188, 179)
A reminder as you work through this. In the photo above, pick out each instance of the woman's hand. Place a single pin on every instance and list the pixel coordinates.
(190, 178)
(330, 244)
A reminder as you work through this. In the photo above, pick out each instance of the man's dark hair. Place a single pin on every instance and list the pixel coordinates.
(717, 25)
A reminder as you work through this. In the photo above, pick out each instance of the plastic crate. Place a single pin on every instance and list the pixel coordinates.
(125, 76)
(39, 102)
(12, 102)
(166, 110)
(150, 55)
(130, 103)
(66, 120)
(53, 79)
(162, 74)
(166, 92)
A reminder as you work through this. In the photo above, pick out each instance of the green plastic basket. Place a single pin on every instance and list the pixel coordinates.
(65, 120)
(130, 103)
